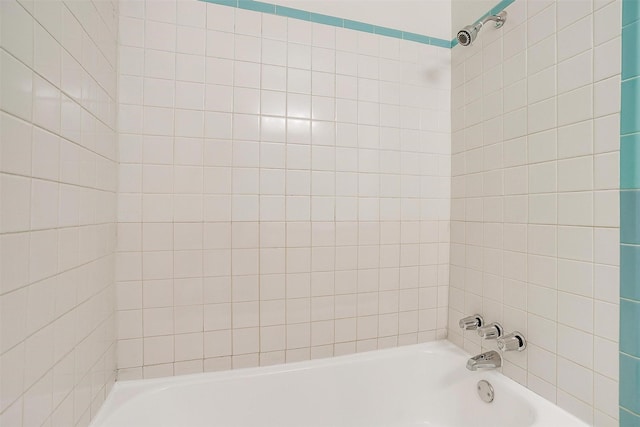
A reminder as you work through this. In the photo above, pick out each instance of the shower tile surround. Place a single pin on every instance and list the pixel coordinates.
(368, 280)
(535, 215)
(630, 218)
(284, 190)
(58, 182)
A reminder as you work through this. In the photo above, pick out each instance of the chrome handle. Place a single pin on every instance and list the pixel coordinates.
(471, 323)
(511, 342)
(491, 331)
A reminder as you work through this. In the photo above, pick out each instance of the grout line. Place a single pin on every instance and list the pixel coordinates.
(173, 209)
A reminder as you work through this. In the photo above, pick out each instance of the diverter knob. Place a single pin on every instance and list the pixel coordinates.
(491, 331)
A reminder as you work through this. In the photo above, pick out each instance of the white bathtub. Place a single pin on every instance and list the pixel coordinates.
(420, 385)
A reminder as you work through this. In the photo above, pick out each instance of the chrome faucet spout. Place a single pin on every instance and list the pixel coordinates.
(489, 360)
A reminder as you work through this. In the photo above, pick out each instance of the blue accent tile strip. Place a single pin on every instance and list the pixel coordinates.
(326, 19)
(417, 38)
(257, 6)
(358, 26)
(319, 18)
(630, 272)
(630, 47)
(630, 113)
(627, 419)
(630, 161)
(232, 3)
(630, 333)
(290, 12)
(441, 43)
(629, 380)
(630, 217)
(630, 11)
(389, 32)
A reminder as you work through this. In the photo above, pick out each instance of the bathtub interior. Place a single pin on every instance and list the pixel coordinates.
(425, 384)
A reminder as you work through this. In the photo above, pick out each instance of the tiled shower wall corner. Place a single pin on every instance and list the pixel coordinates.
(630, 217)
(284, 190)
(58, 178)
(534, 232)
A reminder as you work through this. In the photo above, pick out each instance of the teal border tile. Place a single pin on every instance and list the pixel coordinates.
(628, 419)
(441, 43)
(326, 19)
(358, 26)
(416, 37)
(630, 11)
(629, 380)
(629, 217)
(630, 49)
(319, 18)
(389, 32)
(290, 12)
(630, 272)
(630, 161)
(257, 6)
(630, 328)
(630, 113)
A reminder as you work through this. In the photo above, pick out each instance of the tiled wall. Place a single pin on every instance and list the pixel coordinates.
(284, 189)
(58, 172)
(630, 217)
(534, 232)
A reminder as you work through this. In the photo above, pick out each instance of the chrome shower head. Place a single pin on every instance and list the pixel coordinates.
(468, 34)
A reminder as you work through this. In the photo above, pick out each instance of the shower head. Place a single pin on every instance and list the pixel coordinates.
(468, 34)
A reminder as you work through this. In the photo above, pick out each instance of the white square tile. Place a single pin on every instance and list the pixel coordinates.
(606, 23)
(539, 57)
(160, 36)
(575, 38)
(247, 48)
(570, 12)
(575, 174)
(575, 379)
(607, 59)
(47, 55)
(46, 105)
(606, 97)
(191, 68)
(220, 17)
(17, 31)
(193, 14)
(575, 72)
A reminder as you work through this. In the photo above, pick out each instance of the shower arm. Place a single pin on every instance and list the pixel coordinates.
(499, 19)
(468, 34)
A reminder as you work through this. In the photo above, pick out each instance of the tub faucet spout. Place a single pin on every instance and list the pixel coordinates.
(489, 360)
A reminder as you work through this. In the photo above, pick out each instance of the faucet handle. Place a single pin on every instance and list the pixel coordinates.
(512, 341)
(491, 331)
(471, 322)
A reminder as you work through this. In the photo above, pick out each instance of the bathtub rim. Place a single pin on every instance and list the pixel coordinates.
(123, 391)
